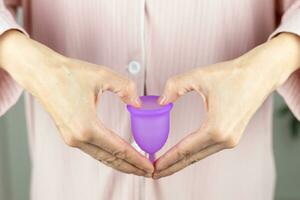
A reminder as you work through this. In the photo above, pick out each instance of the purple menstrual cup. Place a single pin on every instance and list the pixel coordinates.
(150, 124)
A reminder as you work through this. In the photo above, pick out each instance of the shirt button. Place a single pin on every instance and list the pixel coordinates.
(134, 67)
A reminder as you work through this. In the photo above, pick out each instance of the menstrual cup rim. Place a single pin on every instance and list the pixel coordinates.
(138, 111)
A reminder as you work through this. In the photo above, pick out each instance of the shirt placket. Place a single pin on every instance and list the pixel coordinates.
(138, 71)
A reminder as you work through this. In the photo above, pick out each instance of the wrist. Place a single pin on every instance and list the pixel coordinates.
(12, 46)
(287, 51)
(24, 58)
(276, 59)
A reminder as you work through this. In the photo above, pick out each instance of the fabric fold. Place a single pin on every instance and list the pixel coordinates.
(10, 91)
(290, 90)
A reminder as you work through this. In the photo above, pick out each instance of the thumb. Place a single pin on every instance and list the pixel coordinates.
(125, 88)
(128, 94)
(174, 88)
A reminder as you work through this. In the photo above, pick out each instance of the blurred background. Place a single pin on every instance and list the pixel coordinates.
(15, 161)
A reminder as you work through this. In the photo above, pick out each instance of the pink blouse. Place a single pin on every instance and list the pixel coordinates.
(165, 38)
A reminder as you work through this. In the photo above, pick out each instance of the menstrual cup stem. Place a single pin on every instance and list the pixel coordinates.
(152, 157)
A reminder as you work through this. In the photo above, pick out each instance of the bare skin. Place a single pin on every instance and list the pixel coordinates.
(232, 91)
(70, 91)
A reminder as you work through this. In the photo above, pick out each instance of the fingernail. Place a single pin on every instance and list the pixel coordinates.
(162, 100)
(138, 101)
(148, 175)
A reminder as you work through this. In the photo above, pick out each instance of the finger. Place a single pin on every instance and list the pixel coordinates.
(188, 161)
(170, 93)
(111, 161)
(128, 94)
(123, 87)
(118, 147)
(177, 86)
(191, 144)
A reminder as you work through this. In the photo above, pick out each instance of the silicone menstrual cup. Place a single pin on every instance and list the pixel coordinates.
(150, 124)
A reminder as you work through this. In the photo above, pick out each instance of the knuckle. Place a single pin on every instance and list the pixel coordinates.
(128, 88)
(98, 155)
(181, 92)
(177, 85)
(218, 136)
(221, 137)
(84, 136)
(183, 154)
(71, 141)
(109, 161)
(231, 142)
(171, 82)
(116, 163)
(130, 85)
(121, 153)
(171, 85)
(75, 135)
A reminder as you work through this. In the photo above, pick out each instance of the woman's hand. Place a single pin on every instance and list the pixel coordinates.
(69, 90)
(232, 92)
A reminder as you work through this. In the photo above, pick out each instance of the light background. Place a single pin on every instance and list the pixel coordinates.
(15, 161)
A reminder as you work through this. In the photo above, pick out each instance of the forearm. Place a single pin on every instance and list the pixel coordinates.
(24, 59)
(67, 89)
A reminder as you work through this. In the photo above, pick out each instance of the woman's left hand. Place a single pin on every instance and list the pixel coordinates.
(232, 91)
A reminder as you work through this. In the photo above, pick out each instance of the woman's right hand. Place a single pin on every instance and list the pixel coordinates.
(69, 90)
